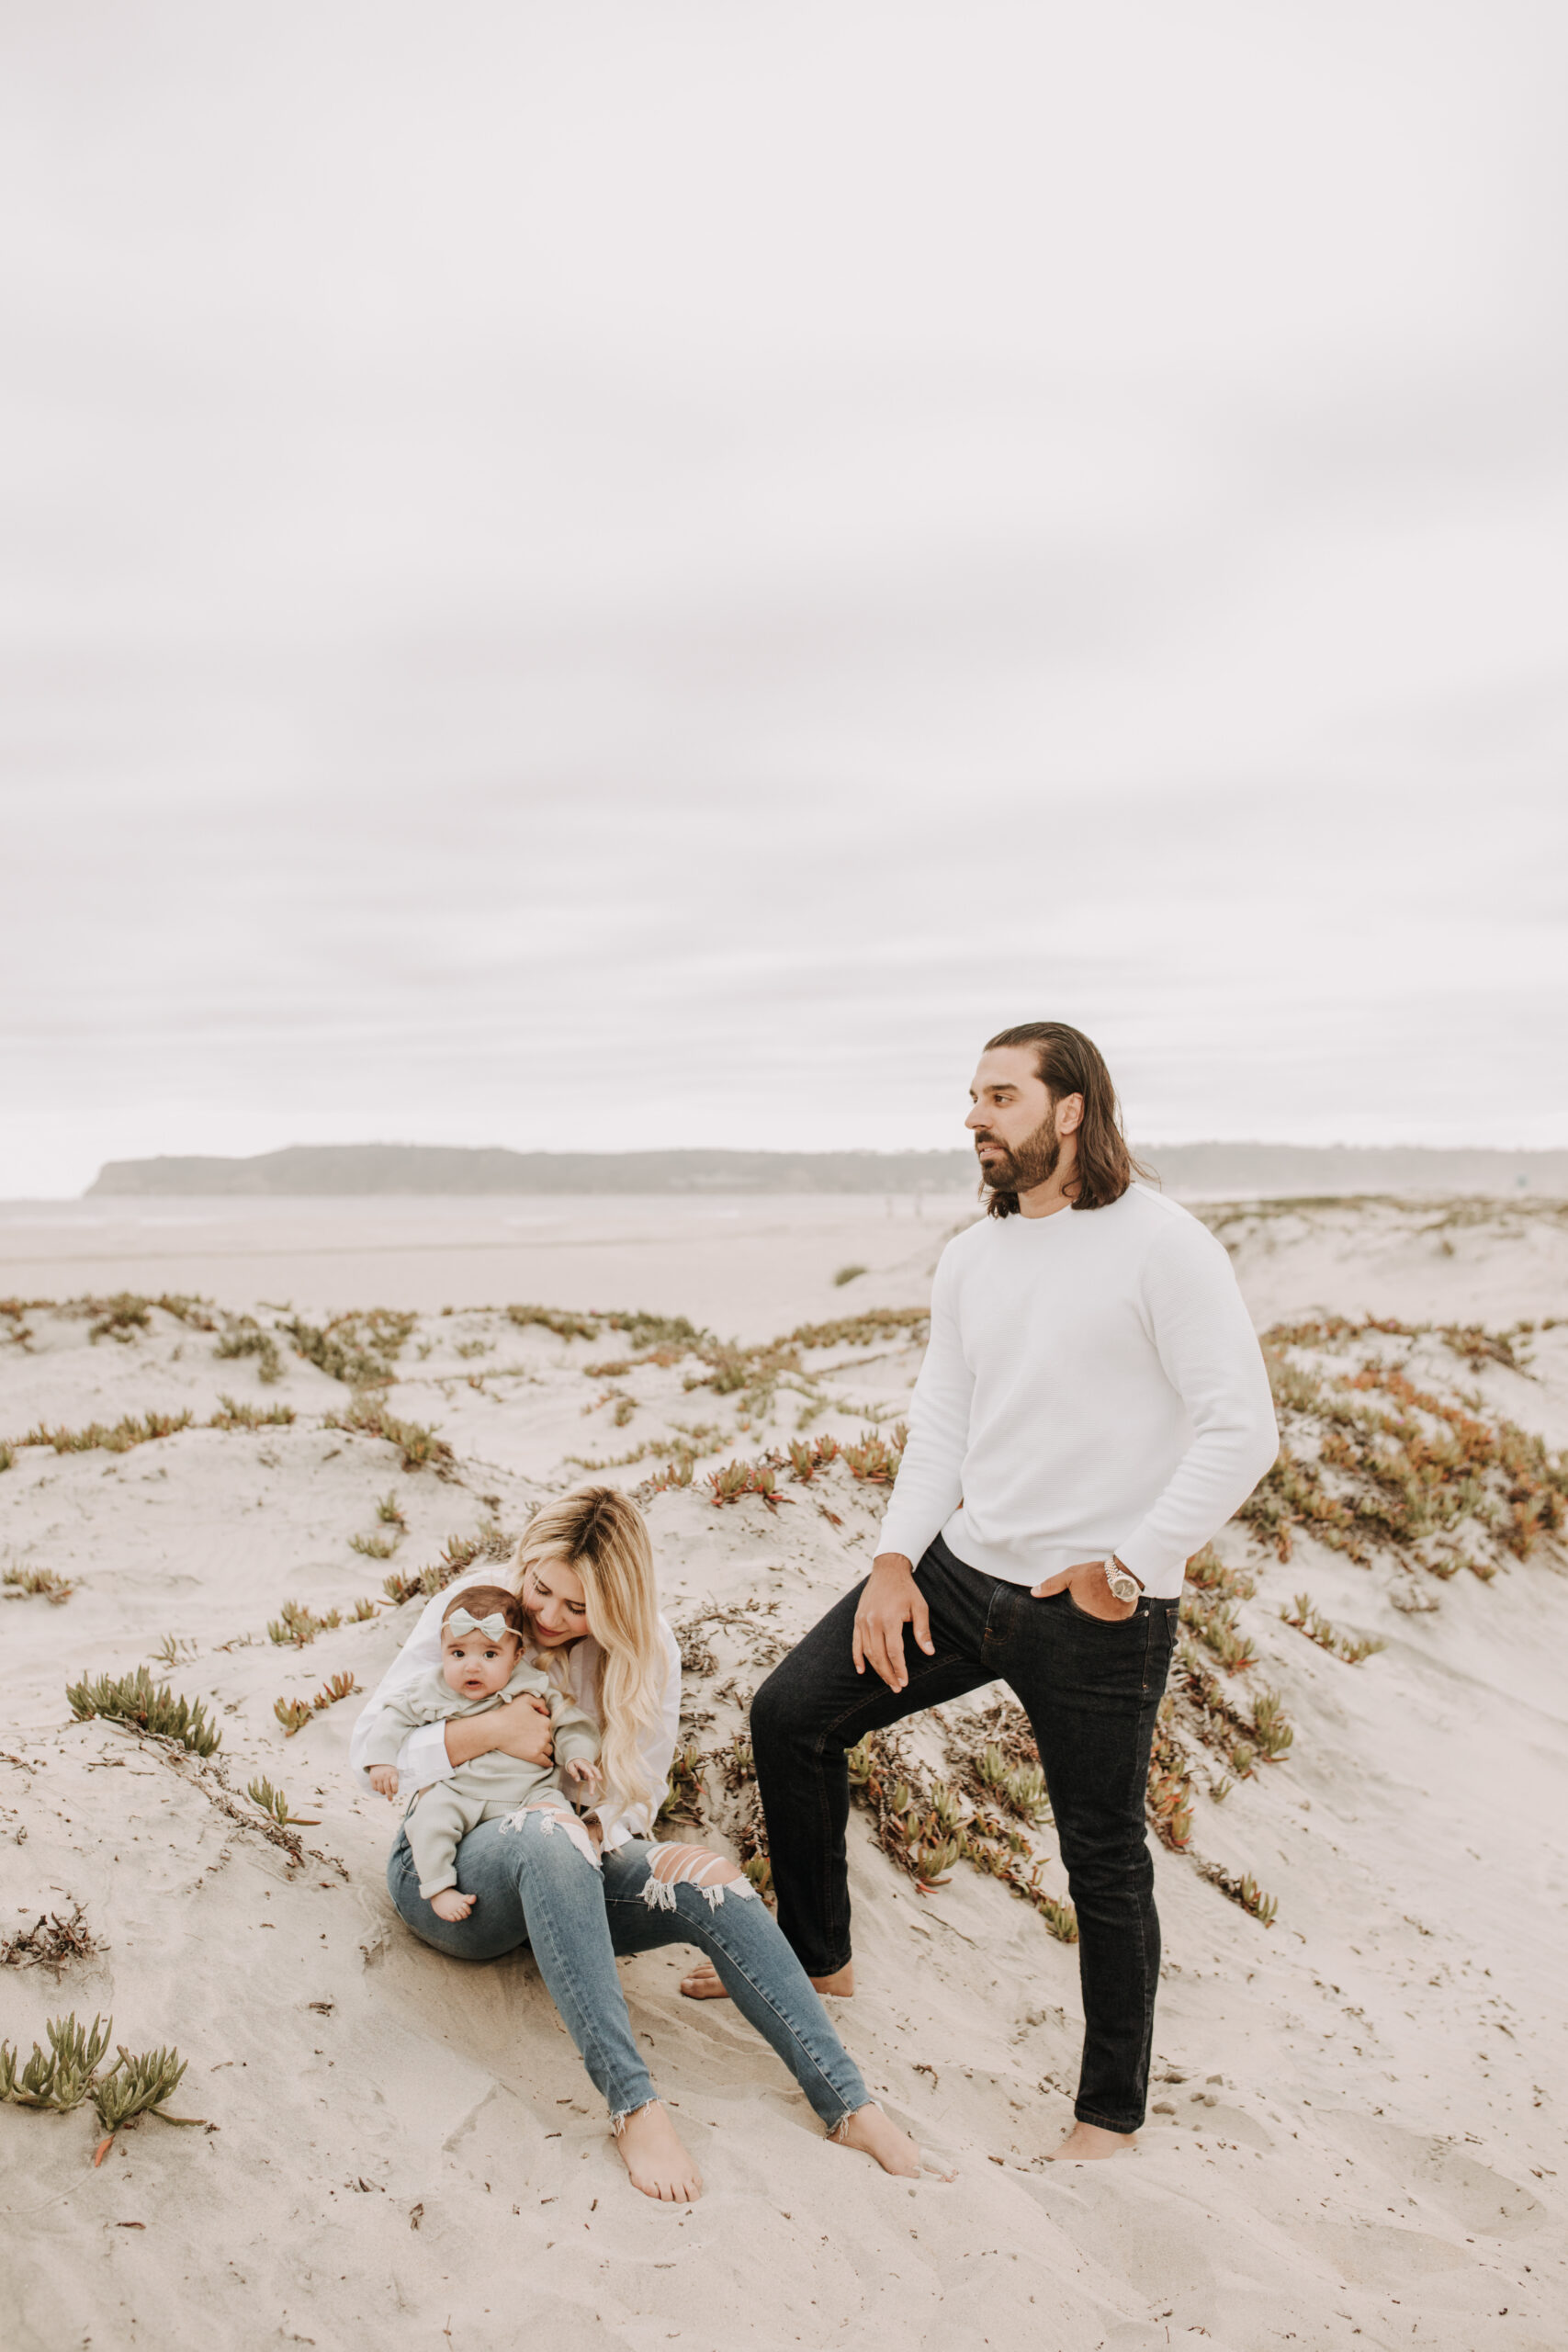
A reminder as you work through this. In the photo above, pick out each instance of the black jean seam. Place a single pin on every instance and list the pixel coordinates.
(1147, 1713)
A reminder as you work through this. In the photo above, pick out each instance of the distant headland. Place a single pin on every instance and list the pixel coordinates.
(1261, 1169)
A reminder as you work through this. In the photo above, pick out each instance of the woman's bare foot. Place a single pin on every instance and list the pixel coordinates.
(653, 2154)
(869, 2131)
(451, 1905)
(1089, 2143)
(703, 1982)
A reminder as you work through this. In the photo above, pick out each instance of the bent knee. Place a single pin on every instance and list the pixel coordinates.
(773, 1710)
(692, 1866)
(1128, 1870)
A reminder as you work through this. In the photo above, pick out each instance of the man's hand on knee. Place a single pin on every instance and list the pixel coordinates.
(891, 1601)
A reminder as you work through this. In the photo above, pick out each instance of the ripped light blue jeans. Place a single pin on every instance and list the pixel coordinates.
(535, 1888)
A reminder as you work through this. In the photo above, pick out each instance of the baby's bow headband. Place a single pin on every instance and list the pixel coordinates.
(492, 1627)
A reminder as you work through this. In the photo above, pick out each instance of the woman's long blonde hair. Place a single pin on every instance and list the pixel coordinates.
(602, 1537)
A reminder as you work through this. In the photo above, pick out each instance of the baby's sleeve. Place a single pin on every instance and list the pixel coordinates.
(576, 1735)
(415, 1704)
(393, 1725)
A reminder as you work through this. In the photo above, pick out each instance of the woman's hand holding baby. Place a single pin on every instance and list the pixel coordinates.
(522, 1728)
(384, 1781)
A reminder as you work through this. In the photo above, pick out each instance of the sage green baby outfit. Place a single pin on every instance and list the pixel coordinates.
(439, 1817)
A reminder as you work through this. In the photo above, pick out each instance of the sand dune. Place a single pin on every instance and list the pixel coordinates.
(1358, 2121)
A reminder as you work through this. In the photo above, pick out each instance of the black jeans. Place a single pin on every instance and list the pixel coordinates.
(1091, 1689)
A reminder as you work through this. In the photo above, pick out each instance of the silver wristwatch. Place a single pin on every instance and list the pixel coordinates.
(1124, 1585)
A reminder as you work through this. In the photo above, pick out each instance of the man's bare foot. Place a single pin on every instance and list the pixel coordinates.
(703, 1982)
(1089, 2143)
(869, 2131)
(653, 2154)
(451, 1905)
(842, 1981)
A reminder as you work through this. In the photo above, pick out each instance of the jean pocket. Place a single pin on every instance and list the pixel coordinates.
(1101, 1624)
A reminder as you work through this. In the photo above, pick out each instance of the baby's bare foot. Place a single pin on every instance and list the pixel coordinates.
(452, 1905)
(653, 2154)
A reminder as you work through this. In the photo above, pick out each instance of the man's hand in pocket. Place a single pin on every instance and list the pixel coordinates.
(1090, 1591)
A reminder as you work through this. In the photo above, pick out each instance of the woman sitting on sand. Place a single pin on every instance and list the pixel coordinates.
(584, 1575)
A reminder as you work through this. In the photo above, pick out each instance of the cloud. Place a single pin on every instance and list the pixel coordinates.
(653, 576)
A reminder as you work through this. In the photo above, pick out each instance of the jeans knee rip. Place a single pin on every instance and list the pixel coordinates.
(660, 1894)
(697, 1866)
(550, 1819)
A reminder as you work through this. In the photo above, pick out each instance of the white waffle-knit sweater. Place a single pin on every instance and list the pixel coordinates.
(1092, 1385)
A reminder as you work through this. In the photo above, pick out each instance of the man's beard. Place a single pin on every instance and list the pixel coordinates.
(1023, 1166)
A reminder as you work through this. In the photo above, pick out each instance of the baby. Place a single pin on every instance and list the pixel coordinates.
(481, 1666)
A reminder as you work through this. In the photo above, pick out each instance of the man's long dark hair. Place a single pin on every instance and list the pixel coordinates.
(1070, 1063)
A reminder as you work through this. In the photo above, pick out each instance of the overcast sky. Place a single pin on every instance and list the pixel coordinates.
(638, 574)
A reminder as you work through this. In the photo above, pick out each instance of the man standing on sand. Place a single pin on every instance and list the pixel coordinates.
(1092, 1407)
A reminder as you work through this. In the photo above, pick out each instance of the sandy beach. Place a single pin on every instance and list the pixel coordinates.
(747, 1268)
(671, 598)
(1357, 2123)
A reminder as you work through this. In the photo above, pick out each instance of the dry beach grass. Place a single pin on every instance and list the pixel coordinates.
(1360, 2079)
